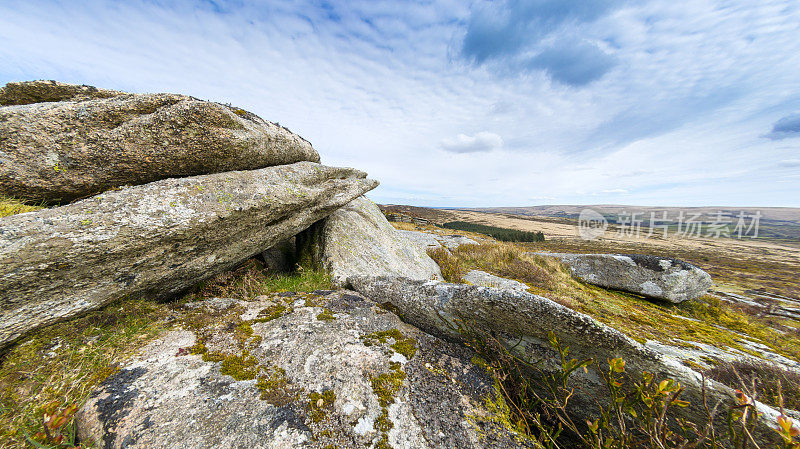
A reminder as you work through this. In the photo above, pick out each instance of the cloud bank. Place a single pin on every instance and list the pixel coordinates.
(454, 103)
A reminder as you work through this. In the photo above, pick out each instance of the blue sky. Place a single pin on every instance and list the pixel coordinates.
(452, 103)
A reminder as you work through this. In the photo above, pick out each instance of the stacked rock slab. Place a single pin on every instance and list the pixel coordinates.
(358, 240)
(157, 239)
(656, 277)
(61, 142)
(522, 321)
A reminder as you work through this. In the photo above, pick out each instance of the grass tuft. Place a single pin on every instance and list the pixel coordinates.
(11, 206)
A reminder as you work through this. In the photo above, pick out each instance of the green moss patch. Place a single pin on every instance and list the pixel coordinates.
(272, 312)
(326, 315)
(319, 404)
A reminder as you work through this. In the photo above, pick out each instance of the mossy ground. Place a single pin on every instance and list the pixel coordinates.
(66, 361)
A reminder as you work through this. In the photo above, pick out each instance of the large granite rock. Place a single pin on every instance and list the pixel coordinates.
(656, 277)
(309, 372)
(157, 239)
(522, 322)
(357, 239)
(92, 140)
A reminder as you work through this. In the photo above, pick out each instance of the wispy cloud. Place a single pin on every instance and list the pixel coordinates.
(668, 101)
(479, 143)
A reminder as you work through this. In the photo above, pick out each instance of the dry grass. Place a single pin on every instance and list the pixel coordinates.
(453, 270)
(768, 380)
(11, 206)
(250, 279)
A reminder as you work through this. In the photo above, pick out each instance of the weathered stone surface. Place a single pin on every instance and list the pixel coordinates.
(42, 91)
(662, 278)
(484, 279)
(58, 151)
(342, 381)
(157, 239)
(522, 321)
(426, 240)
(357, 239)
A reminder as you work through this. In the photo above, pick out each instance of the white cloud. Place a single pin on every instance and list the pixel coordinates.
(379, 85)
(479, 143)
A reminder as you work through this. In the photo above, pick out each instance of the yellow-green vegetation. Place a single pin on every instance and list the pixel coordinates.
(11, 206)
(275, 387)
(240, 367)
(638, 410)
(709, 320)
(326, 315)
(270, 313)
(55, 368)
(319, 404)
(453, 269)
(386, 386)
(731, 270)
(402, 345)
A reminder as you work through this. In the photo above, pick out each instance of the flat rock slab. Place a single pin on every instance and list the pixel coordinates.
(157, 239)
(656, 277)
(80, 140)
(338, 381)
(358, 240)
(427, 240)
(484, 279)
(523, 322)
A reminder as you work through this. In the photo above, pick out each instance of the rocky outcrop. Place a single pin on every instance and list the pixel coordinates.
(301, 371)
(157, 239)
(426, 240)
(656, 277)
(27, 92)
(484, 279)
(522, 322)
(357, 240)
(81, 140)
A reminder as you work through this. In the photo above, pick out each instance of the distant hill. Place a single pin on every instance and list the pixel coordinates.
(772, 214)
